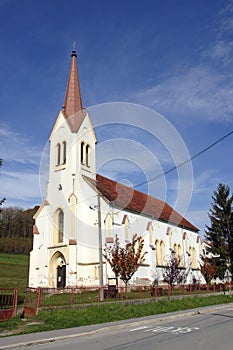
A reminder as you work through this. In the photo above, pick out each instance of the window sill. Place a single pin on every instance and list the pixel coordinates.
(60, 167)
(58, 245)
(85, 168)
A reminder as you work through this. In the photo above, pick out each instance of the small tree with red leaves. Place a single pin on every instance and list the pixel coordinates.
(125, 261)
(208, 270)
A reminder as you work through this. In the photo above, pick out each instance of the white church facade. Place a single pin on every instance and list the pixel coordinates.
(83, 211)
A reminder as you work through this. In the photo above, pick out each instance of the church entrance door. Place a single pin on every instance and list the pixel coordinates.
(61, 276)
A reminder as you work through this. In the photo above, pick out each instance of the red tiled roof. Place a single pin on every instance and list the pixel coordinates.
(132, 200)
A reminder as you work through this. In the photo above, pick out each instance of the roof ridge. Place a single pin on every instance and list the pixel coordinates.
(130, 199)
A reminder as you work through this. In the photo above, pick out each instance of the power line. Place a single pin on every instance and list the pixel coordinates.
(166, 172)
(186, 161)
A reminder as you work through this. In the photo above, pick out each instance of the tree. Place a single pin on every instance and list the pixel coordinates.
(3, 199)
(16, 230)
(125, 261)
(220, 231)
(208, 270)
(173, 273)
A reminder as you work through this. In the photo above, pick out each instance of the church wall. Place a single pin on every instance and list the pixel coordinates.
(171, 235)
(67, 236)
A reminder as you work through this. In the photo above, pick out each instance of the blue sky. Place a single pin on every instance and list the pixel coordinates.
(174, 57)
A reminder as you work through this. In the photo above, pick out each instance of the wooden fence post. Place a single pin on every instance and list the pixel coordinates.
(15, 302)
(72, 296)
(99, 293)
(121, 293)
(38, 299)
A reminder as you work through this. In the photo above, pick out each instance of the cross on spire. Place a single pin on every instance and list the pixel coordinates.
(74, 45)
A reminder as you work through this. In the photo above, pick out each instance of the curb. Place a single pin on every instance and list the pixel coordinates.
(124, 324)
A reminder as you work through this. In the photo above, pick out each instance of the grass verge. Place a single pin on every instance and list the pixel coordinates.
(67, 318)
(14, 272)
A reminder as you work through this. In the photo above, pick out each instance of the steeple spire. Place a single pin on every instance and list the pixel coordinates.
(72, 108)
(73, 101)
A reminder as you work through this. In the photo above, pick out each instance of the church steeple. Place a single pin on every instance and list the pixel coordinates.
(73, 101)
(72, 109)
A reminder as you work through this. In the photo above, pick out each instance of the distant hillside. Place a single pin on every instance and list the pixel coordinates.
(16, 230)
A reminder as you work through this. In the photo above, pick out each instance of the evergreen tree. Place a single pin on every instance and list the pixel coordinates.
(220, 232)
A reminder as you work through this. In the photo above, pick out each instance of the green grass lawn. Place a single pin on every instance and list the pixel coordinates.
(76, 317)
(14, 272)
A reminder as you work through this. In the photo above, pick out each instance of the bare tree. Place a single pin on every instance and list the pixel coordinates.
(173, 273)
(125, 261)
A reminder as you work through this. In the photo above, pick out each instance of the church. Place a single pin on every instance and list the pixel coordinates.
(83, 211)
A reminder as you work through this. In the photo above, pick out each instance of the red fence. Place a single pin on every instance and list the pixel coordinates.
(31, 303)
(50, 297)
(8, 303)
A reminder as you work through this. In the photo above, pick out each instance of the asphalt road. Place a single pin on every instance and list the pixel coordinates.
(206, 329)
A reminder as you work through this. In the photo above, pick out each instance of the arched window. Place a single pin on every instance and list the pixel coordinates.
(180, 253)
(157, 250)
(58, 154)
(150, 229)
(126, 222)
(87, 155)
(82, 155)
(191, 256)
(64, 152)
(194, 258)
(162, 250)
(60, 225)
(175, 250)
(169, 233)
(108, 225)
(185, 238)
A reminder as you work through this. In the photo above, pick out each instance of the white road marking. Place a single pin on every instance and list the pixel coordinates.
(166, 329)
(162, 329)
(185, 330)
(139, 328)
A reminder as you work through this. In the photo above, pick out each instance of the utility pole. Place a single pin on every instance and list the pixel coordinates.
(101, 277)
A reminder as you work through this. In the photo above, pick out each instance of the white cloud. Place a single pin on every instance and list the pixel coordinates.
(202, 90)
(197, 91)
(19, 174)
(20, 187)
(221, 50)
(205, 181)
(200, 219)
(16, 147)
